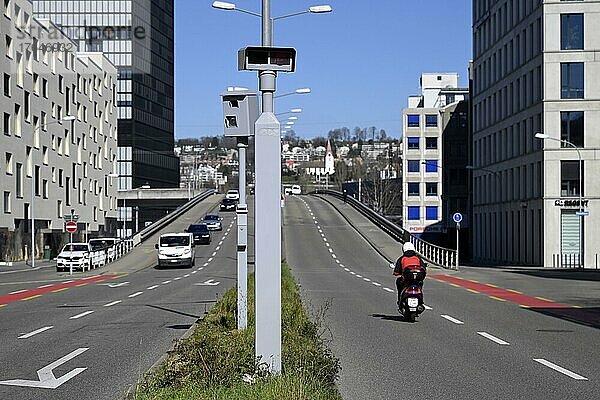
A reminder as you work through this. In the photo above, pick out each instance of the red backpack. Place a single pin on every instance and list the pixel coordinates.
(411, 263)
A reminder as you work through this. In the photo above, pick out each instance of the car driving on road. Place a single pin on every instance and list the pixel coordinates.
(176, 249)
(232, 194)
(213, 222)
(228, 205)
(76, 255)
(200, 232)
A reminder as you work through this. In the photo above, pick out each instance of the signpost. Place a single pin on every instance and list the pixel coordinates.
(71, 227)
(457, 217)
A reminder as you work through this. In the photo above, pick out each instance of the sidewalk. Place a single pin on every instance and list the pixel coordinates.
(23, 266)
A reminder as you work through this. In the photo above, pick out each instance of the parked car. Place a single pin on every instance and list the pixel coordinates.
(200, 232)
(296, 189)
(176, 249)
(213, 222)
(107, 245)
(232, 194)
(287, 191)
(76, 255)
(228, 205)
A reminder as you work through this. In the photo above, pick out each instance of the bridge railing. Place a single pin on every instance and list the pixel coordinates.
(437, 255)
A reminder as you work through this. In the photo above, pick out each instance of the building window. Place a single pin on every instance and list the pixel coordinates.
(413, 121)
(431, 121)
(9, 46)
(19, 180)
(431, 188)
(431, 143)
(571, 32)
(414, 213)
(59, 208)
(45, 188)
(414, 165)
(18, 125)
(569, 179)
(413, 143)
(413, 188)
(571, 128)
(27, 105)
(431, 166)
(6, 202)
(8, 168)
(37, 177)
(431, 213)
(7, 87)
(7, 124)
(571, 78)
(45, 88)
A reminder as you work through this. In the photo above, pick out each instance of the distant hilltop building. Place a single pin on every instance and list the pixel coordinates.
(329, 160)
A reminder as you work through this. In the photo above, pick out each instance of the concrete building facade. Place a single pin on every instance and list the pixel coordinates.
(59, 141)
(534, 70)
(424, 122)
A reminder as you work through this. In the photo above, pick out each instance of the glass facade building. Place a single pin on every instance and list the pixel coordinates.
(138, 37)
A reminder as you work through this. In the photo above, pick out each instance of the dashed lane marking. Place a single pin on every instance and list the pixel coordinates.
(152, 287)
(134, 294)
(186, 276)
(205, 264)
(452, 319)
(112, 303)
(18, 291)
(388, 290)
(560, 369)
(334, 256)
(176, 279)
(83, 314)
(166, 282)
(31, 297)
(376, 284)
(358, 276)
(493, 338)
(30, 334)
(366, 279)
(193, 272)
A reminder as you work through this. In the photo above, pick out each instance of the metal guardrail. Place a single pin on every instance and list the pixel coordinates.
(167, 219)
(440, 256)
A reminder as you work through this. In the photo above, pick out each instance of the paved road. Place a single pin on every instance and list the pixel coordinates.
(115, 322)
(470, 345)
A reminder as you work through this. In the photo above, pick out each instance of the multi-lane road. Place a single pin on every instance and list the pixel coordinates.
(477, 340)
(93, 336)
(487, 333)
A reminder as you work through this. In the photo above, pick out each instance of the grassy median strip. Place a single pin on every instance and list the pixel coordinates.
(217, 361)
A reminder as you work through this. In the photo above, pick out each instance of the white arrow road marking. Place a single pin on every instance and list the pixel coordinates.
(493, 338)
(112, 303)
(152, 287)
(83, 314)
(30, 334)
(560, 369)
(47, 380)
(210, 282)
(452, 319)
(134, 294)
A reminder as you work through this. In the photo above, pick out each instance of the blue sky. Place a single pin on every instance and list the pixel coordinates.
(361, 61)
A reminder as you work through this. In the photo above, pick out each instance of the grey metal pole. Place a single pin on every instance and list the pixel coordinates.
(268, 218)
(242, 249)
(581, 251)
(457, 244)
(31, 211)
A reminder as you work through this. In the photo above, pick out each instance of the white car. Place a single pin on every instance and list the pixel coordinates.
(232, 194)
(176, 249)
(76, 255)
(296, 189)
(107, 245)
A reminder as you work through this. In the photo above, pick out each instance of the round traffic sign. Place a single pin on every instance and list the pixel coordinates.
(457, 217)
(71, 227)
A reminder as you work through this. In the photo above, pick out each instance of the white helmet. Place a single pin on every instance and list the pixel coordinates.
(408, 246)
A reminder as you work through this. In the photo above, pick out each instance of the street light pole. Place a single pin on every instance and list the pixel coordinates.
(242, 249)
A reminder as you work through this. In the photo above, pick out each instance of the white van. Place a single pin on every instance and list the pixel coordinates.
(176, 249)
(296, 189)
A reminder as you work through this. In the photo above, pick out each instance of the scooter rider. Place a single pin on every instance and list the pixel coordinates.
(409, 259)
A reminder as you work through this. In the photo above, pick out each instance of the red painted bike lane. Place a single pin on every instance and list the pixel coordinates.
(38, 292)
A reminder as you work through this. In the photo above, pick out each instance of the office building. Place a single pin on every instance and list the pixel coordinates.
(535, 70)
(138, 37)
(435, 148)
(59, 141)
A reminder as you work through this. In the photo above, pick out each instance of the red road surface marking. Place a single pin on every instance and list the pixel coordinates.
(61, 286)
(499, 293)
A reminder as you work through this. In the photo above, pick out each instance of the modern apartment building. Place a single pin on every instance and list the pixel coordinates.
(435, 149)
(59, 141)
(138, 37)
(535, 70)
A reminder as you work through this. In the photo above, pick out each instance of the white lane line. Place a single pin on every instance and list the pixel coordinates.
(83, 314)
(427, 307)
(316, 223)
(324, 239)
(18, 291)
(452, 319)
(112, 303)
(327, 244)
(331, 251)
(214, 253)
(152, 287)
(204, 265)
(358, 276)
(217, 248)
(209, 260)
(186, 276)
(200, 269)
(388, 290)
(43, 286)
(346, 269)
(65, 282)
(176, 279)
(560, 369)
(30, 334)
(220, 243)
(366, 279)
(166, 282)
(336, 260)
(493, 338)
(353, 273)
(193, 272)
(376, 284)
(342, 265)
(134, 294)
(334, 256)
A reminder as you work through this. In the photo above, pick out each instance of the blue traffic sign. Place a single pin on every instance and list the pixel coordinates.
(457, 217)
(583, 213)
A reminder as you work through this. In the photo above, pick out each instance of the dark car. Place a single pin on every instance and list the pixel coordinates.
(228, 205)
(213, 221)
(200, 232)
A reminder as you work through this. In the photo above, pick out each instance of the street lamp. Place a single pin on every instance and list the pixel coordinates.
(297, 91)
(31, 208)
(292, 111)
(581, 213)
